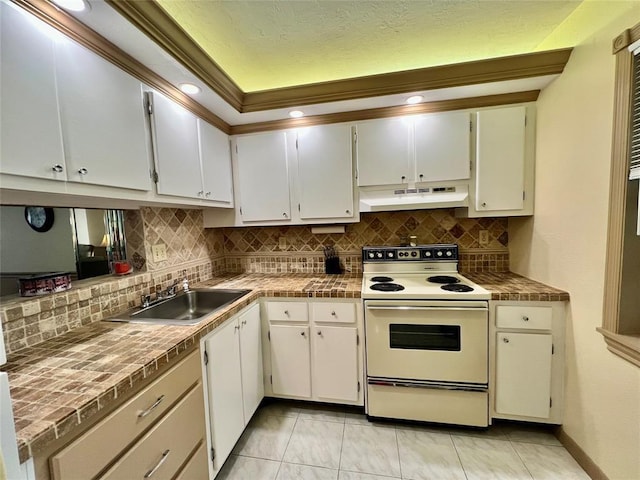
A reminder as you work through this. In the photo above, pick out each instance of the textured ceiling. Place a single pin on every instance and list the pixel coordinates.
(271, 44)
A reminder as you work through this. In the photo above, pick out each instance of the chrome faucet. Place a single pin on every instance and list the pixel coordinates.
(185, 282)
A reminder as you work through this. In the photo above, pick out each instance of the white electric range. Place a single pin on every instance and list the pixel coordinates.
(426, 336)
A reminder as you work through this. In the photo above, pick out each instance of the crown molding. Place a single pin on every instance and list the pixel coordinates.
(360, 115)
(149, 17)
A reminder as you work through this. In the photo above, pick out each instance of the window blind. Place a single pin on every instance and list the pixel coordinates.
(634, 153)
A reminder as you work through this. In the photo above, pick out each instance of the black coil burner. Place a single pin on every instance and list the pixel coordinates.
(456, 287)
(443, 279)
(382, 279)
(387, 287)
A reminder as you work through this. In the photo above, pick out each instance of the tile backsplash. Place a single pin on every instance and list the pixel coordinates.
(203, 253)
(295, 249)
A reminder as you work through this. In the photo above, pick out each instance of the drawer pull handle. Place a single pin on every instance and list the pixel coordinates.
(83, 171)
(286, 312)
(303, 334)
(505, 340)
(525, 318)
(57, 168)
(244, 322)
(319, 333)
(163, 459)
(152, 407)
(333, 313)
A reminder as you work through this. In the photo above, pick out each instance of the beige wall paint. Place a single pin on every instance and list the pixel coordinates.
(564, 245)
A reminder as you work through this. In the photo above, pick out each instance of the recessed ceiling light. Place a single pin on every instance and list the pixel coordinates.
(73, 5)
(296, 113)
(414, 99)
(189, 88)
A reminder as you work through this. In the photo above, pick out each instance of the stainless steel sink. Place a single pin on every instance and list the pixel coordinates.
(184, 309)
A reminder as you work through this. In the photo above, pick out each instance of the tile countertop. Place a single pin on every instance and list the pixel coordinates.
(63, 382)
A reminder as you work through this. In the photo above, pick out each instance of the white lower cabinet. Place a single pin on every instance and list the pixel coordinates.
(528, 361)
(233, 372)
(312, 350)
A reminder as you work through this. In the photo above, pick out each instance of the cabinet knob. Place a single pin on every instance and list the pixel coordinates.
(303, 334)
(284, 214)
(57, 168)
(403, 178)
(200, 193)
(319, 333)
(348, 212)
(525, 318)
(83, 171)
(484, 204)
(421, 176)
(244, 322)
(333, 313)
(505, 340)
(237, 327)
(208, 194)
(286, 312)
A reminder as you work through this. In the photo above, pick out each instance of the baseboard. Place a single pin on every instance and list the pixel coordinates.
(580, 456)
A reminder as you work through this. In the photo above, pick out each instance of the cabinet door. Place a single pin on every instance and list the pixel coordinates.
(263, 177)
(325, 178)
(500, 156)
(30, 137)
(383, 151)
(290, 360)
(215, 156)
(224, 390)
(523, 374)
(251, 361)
(443, 146)
(103, 120)
(335, 363)
(177, 156)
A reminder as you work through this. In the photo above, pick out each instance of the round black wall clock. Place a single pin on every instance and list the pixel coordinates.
(39, 218)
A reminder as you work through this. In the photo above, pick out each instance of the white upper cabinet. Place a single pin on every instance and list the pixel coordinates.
(427, 148)
(215, 155)
(192, 157)
(31, 140)
(384, 151)
(103, 120)
(177, 156)
(442, 146)
(325, 173)
(263, 177)
(500, 160)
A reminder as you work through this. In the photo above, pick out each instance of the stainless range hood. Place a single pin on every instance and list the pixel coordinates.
(384, 200)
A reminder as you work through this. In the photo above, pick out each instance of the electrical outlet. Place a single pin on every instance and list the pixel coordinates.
(159, 252)
(282, 243)
(484, 237)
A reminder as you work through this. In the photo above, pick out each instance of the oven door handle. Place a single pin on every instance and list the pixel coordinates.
(449, 309)
(429, 385)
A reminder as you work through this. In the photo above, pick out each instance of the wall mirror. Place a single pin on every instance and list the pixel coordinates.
(36, 240)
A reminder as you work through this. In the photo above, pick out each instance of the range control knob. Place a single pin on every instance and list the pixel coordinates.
(414, 254)
(371, 255)
(390, 254)
(379, 254)
(439, 254)
(427, 254)
(449, 253)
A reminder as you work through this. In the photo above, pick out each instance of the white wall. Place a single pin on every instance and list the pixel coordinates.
(564, 245)
(23, 250)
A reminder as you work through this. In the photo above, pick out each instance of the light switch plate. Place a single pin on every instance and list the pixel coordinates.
(282, 243)
(484, 237)
(159, 252)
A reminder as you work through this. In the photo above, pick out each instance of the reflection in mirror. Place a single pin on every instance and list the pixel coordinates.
(82, 242)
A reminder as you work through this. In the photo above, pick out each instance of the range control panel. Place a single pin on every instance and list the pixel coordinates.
(446, 252)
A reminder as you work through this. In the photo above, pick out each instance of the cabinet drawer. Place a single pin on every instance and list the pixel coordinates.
(333, 312)
(197, 466)
(167, 445)
(526, 317)
(287, 311)
(96, 448)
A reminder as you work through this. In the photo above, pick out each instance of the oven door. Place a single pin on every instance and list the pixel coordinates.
(440, 341)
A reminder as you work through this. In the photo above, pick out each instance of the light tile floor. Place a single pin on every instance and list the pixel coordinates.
(293, 441)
